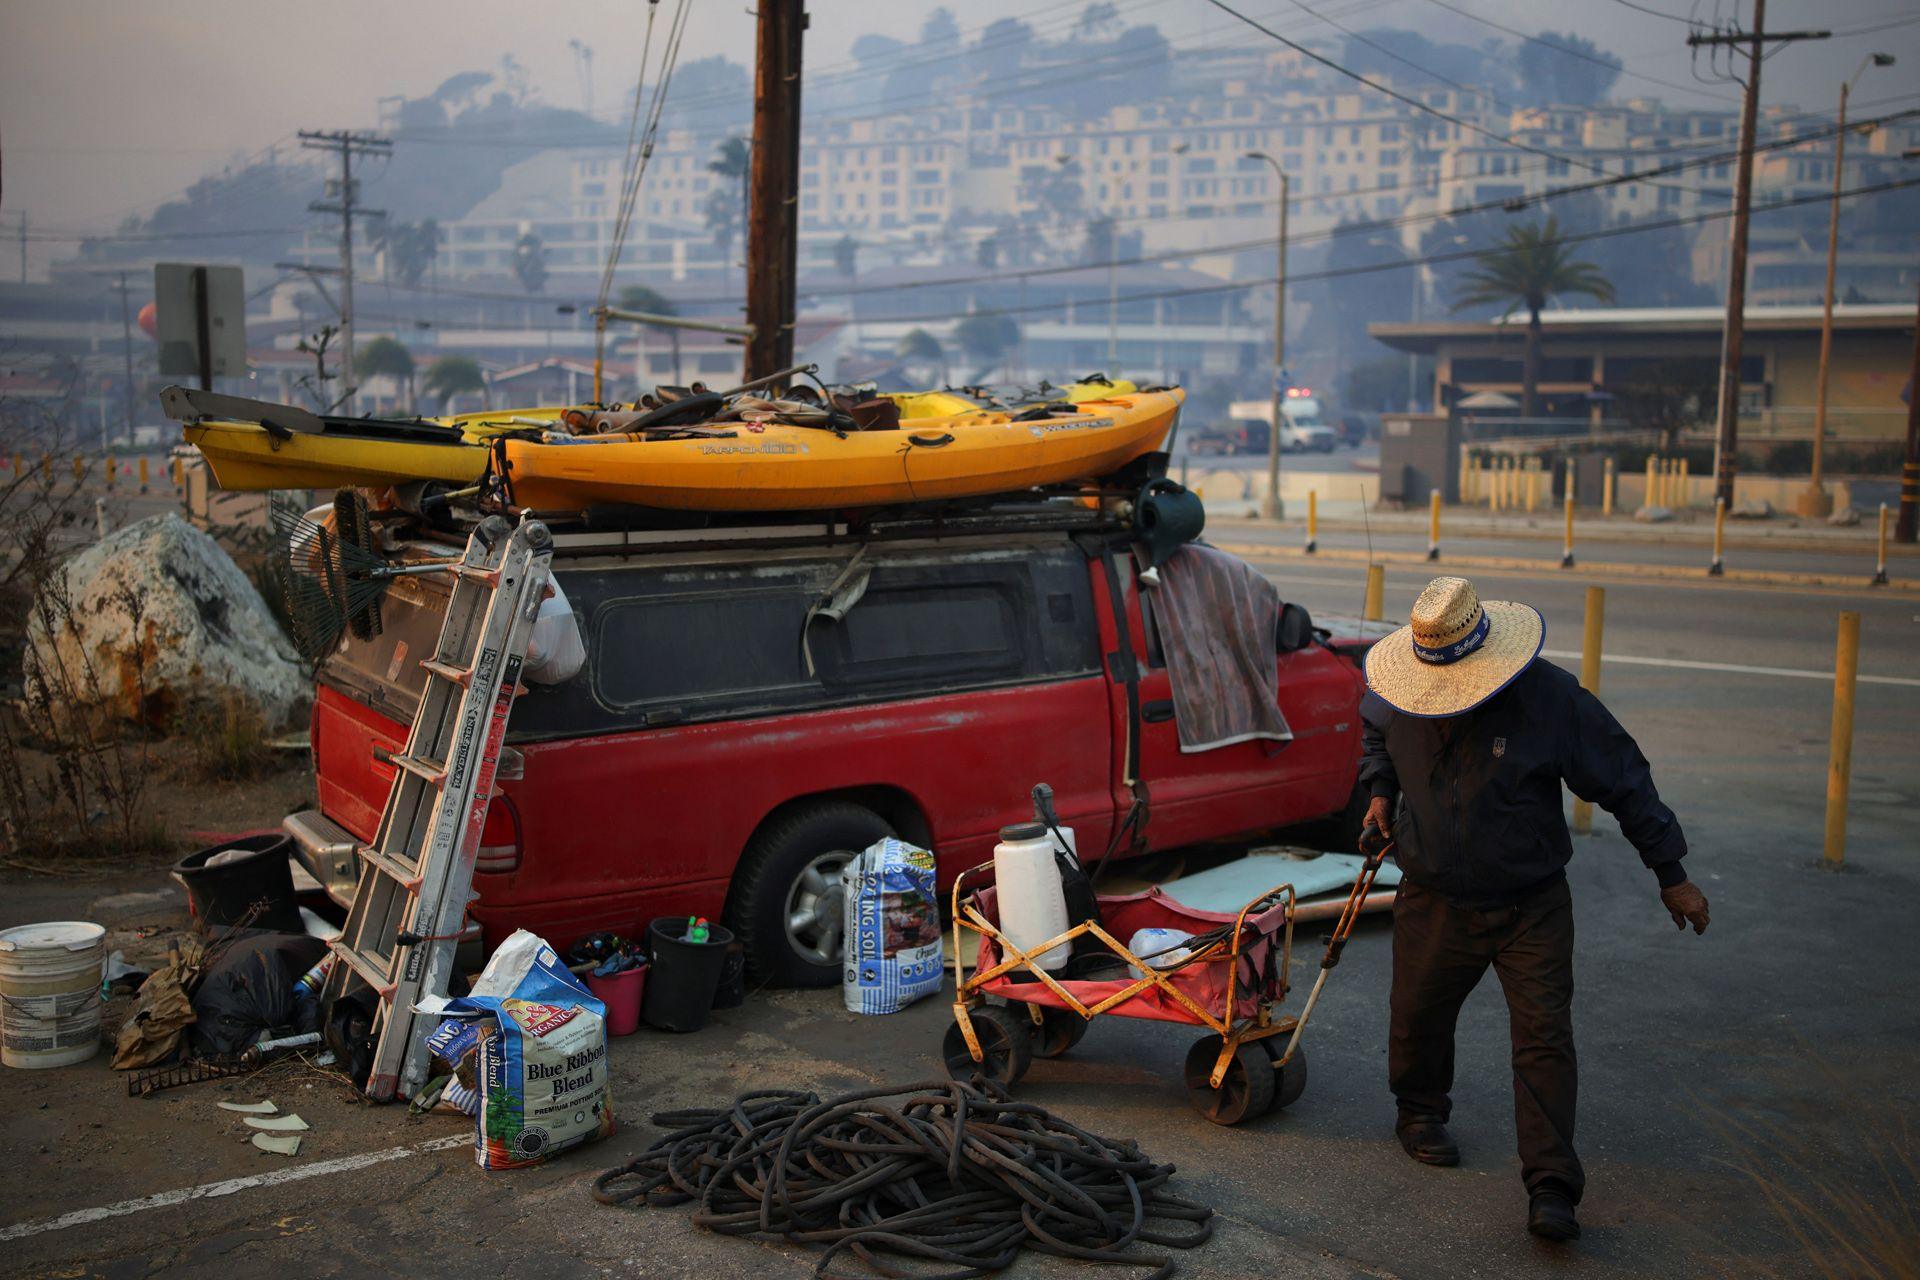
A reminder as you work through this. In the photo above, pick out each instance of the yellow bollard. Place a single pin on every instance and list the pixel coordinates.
(1686, 483)
(1376, 593)
(107, 465)
(46, 467)
(143, 475)
(1846, 666)
(1880, 571)
(1590, 681)
(1649, 498)
(1718, 566)
(1533, 484)
(1433, 525)
(1606, 486)
(1566, 550)
(178, 469)
(1313, 520)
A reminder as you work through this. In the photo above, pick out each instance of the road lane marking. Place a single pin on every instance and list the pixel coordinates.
(214, 1190)
(1734, 667)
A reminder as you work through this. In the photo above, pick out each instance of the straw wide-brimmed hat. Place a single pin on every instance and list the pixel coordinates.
(1456, 652)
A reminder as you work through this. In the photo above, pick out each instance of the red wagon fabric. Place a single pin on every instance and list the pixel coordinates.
(1205, 983)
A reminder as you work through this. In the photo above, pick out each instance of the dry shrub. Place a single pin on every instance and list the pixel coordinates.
(231, 741)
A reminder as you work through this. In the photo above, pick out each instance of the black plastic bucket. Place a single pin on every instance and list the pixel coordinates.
(685, 976)
(223, 894)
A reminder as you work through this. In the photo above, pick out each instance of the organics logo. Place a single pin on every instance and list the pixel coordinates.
(539, 1019)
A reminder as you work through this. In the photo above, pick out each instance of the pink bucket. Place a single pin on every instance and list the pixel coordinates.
(621, 993)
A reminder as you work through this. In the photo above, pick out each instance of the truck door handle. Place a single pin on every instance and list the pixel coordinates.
(1160, 709)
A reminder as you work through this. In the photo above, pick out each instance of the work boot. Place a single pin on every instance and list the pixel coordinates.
(1550, 1214)
(1429, 1142)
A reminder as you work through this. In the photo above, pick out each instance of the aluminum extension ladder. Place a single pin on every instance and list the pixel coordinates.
(416, 878)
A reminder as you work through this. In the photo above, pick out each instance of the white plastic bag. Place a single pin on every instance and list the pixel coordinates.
(555, 652)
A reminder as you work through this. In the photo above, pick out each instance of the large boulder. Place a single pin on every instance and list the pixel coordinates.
(155, 622)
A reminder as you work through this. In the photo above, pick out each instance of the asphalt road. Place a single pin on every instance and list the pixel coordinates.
(1777, 1048)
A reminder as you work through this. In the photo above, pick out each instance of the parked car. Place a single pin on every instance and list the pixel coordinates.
(724, 752)
(1300, 436)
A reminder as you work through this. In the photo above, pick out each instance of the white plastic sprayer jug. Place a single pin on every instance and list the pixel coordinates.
(1033, 906)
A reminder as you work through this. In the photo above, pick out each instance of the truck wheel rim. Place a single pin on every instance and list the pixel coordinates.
(815, 909)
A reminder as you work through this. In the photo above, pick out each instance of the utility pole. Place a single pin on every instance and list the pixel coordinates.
(1275, 509)
(1733, 337)
(126, 343)
(773, 212)
(1907, 527)
(1815, 502)
(346, 145)
(23, 246)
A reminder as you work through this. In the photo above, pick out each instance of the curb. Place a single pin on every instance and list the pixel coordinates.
(1590, 532)
(1585, 568)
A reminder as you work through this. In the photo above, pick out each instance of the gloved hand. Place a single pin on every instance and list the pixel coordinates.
(1687, 905)
(1377, 828)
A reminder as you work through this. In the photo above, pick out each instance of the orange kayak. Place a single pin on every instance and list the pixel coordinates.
(773, 466)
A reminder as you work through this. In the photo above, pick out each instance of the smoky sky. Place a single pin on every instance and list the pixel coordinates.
(108, 107)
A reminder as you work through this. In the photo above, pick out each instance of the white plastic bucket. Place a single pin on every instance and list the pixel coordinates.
(50, 993)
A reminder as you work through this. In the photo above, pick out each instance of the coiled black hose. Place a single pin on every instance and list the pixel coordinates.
(945, 1173)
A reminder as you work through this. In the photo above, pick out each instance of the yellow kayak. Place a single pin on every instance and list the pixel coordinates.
(276, 447)
(774, 466)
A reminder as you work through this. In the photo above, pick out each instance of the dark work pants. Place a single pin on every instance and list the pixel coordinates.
(1440, 953)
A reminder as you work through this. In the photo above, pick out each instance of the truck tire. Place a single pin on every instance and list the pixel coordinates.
(786, 902)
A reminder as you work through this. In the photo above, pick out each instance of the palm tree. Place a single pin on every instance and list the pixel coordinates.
(530, 262)
(1530, 265)
(385, 356)
(450, 376)
(917, 346)
(733, 159)
(637, 297)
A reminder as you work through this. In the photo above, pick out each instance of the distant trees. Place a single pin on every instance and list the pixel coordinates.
(1098, 246)
(408, 248)
(638, 297)
(384, 357)
(919, 347)
(846, 255)
(986, 254)
(451, 376)
(986, 337)
(1531, 265)
(726, 214)
(1561, 68)
(530, 262)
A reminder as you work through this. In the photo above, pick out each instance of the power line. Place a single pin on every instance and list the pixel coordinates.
(1398, 96)
(1614, 66)
(1670, 17)
(1237, 286)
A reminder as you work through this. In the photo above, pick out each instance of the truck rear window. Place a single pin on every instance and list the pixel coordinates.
(674, 642)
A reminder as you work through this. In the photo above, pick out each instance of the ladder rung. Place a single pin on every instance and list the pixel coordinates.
(426, 770)
(369, 973)
(392, 867)
(461, 676)
(474, 573)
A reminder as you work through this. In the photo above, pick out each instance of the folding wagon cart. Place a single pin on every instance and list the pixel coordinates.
(1232, 982)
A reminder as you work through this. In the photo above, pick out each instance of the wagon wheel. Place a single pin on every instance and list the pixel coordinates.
(1006, 1040)
(1059, 1030)
(1246, 1091)
(1290, 1081)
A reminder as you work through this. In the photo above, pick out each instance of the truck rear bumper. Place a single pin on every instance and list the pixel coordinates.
(326, 850)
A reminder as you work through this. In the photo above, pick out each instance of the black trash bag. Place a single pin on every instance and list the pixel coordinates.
(349, 1033)
(247, 993)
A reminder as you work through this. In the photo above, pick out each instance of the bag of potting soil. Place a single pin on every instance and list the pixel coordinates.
(893, 952)
(531, 1043)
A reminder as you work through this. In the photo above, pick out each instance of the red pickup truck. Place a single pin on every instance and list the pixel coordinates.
(724, 750)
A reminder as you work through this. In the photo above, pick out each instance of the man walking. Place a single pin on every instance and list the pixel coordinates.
(1474, 735)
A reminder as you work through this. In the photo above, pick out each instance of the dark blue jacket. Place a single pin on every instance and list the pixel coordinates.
(1479, 818)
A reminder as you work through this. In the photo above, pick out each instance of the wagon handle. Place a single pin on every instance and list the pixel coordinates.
(1337, 942)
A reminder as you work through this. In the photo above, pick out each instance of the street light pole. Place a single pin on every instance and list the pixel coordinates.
(1815, 501)
(1274, 509)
